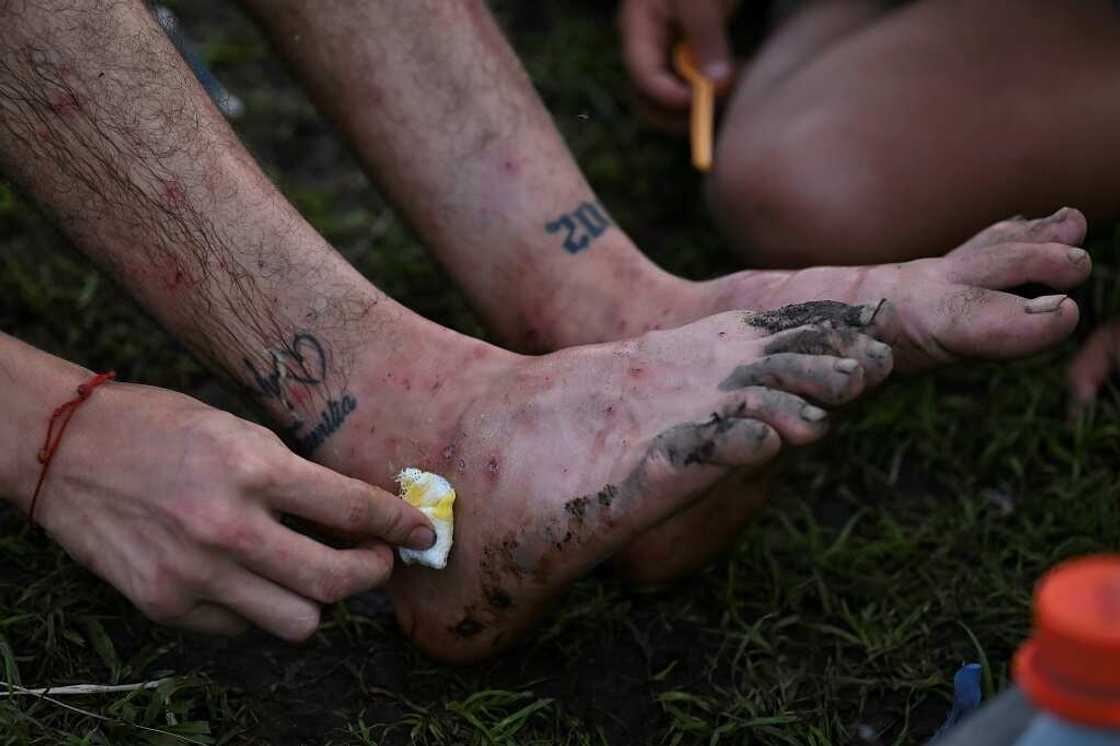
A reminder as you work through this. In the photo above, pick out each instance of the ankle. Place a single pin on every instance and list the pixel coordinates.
(404, 409)
(616, 294)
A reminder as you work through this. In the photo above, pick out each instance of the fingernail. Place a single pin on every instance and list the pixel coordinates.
(1045, 304)
(421, 538)
(813, 414)
(879, 351)
(1078, 256)
(847, 365)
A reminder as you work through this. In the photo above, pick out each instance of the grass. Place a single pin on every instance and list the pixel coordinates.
(901, 548)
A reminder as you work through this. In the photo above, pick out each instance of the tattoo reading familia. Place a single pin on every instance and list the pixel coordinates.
(580, 227)
(302, 362)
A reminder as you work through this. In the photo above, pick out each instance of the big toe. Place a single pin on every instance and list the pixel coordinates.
(990, 325)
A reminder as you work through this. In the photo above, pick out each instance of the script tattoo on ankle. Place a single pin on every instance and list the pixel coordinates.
(580, 227)
(302, 361)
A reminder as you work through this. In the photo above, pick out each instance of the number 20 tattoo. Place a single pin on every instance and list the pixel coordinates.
(580, 227)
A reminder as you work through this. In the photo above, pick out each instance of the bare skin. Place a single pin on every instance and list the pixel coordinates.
(560, 461)
(104, 124)
(177, 504)
(899, 93)
(511, 219)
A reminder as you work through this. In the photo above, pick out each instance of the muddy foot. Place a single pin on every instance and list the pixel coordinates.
(561, 460)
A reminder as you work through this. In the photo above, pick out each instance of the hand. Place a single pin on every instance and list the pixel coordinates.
(1097, 359)
(650, 28)
(177, 505)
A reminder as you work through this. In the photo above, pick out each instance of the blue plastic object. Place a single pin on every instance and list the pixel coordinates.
(966, 697)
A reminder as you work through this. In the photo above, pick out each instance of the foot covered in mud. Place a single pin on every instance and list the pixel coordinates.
(948, 308)
(560, 460)
(943, 310)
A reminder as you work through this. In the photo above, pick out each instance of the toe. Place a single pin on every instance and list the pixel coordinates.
(990, 325)
(1094, 362)
(1067, 225)
(823, 378)
(745, 442)
(874, 357)
(795, 420)
(1008, 265)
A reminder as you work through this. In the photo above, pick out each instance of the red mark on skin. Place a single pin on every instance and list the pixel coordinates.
(406, 384)
(637, 372)
(511, 167)
(493, 468)
(300, 395)
(437, 385)
(63, 103)
(478, 353)
(723, 334)
(610, 410)
(173, 194)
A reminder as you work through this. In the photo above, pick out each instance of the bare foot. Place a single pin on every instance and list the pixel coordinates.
(560, 460)
(946, 309)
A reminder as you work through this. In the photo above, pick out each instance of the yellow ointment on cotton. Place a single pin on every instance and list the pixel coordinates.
(433, 496)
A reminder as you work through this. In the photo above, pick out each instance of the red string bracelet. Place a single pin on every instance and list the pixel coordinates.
(61, 417)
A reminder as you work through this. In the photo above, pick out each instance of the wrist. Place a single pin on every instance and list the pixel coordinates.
(39, 384)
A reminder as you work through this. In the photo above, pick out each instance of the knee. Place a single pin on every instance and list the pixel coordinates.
(800, 193)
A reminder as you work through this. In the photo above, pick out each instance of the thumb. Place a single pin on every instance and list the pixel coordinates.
(351, 507)
(703, 23)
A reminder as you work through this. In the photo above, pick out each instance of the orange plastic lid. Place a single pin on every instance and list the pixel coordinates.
(1071, 664)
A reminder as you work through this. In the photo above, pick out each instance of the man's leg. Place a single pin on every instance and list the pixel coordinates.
(902, 139)
(446, 121)
(558, 460)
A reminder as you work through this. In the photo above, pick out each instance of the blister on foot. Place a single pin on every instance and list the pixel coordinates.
(433, 496)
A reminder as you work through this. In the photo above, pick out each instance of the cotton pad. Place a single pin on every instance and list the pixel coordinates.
(433, 496)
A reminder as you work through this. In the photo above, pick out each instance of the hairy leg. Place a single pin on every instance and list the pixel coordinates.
(558, 460)
(903, 138)
(446, 121)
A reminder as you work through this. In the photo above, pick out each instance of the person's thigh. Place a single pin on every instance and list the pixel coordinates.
(906, 137)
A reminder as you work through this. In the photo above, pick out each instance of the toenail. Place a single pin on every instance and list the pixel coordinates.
(1078, 256)
(879, 351)
(847, 365)
(1045, 304)
(813, 414)
(1059, 216)
(421, 538)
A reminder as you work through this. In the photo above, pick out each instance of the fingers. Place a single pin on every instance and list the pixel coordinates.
(267, 605)
(212, 619)
(350, 506)
(647, 36)
(1094, 363)
(874, 357)
(313, 570)
(1007, 265)
(824, 378)
(704, 29)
